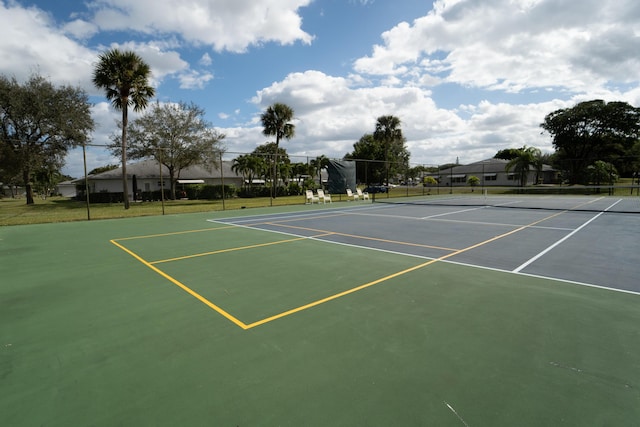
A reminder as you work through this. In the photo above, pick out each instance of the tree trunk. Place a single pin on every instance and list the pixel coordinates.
(125, 187)
(27, 187)
(172, 183)
(275, 167)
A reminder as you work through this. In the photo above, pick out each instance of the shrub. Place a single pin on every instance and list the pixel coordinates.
(215, 192)
(294, 189)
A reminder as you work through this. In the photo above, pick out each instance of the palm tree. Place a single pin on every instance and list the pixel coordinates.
(276, 121)
(527, 158)
(124, 77)
(388, 132)
(241, 165)
(249, 166)
(318, 164)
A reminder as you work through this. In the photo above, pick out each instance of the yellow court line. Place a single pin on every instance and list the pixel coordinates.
(391, 276)
(220, 251)
(175, 233)
(184, 287)
(301, 218)
(355, 236)
(245, 326)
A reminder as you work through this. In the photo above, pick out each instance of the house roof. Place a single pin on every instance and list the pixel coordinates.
(488, 166)
(149, 169)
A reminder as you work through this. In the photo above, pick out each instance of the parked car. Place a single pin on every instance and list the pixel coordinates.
(372, 189)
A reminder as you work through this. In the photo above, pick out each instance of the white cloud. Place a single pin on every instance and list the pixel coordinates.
(498, 48)
(31, 43)
(333, 113)
(194, 79)
(80, 29)
(511, 45)
(205, 60)
(231, 25)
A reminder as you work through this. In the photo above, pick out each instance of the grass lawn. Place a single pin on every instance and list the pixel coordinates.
(61, 209)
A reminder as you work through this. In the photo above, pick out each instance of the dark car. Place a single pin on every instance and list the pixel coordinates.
(373, 189)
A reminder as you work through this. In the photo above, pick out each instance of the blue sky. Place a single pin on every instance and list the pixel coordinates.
(466, 78)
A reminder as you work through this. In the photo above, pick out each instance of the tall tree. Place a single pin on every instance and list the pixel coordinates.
(176, 135)
(38, 124)
(590, 131)
(249, 166)
(384, 152)
(276, 121)
(370, 152)
(241, 165)
(269, 151)
(527, 158)
(389, 134)
(125, 78)
(601, 172)
(317, 165)
(507, 154)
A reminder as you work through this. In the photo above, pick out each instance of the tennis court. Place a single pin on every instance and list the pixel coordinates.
(420, 313)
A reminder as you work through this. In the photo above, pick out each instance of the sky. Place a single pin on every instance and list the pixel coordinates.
(467, 78)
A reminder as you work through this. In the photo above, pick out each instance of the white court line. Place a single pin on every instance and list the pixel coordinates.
(446, 261)
(324, 240)
(541, 254)
(451, 213)
(286, 215)
(460, 221)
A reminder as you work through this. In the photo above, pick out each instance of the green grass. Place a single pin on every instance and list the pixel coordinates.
(60, 209)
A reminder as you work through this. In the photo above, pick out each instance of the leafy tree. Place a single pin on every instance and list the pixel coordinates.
(601, 172)
(10, 169)
(633, 164)
(389, 134)
(414, 172)
(590, 131)
(430, 181)
(38, 124)
(473, 182)
(176, 135)
(275, 156)
(47, 177)
(371, 151)
(528, 158)
(507, 154)
(101, 169)
(319, 163)
(249, 166)
(277, 122)
(124, 76)
(385, 151)
(298, 170)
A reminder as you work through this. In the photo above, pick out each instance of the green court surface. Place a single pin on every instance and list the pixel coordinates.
(176, 320)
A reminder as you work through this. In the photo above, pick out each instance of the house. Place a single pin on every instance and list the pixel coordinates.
(492, 172)
(68, 188)
(148, 175)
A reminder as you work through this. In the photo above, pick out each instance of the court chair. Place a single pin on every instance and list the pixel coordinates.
(311, 197)
(324, 197)
(364, 196)
(351, 196)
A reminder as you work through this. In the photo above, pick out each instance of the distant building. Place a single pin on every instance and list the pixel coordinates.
(148, 178)
(492, 172)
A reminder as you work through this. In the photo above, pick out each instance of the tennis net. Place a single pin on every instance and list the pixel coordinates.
(619, 199)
